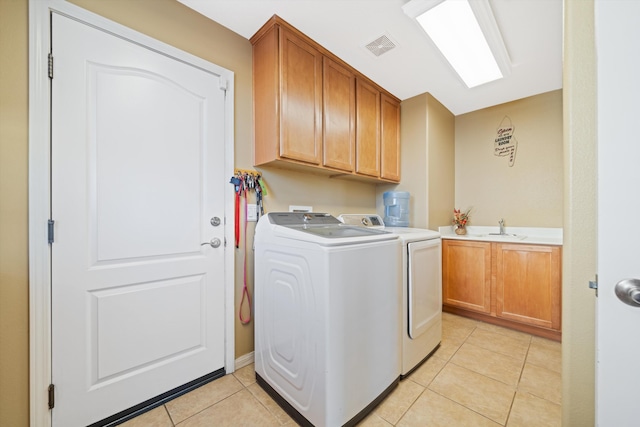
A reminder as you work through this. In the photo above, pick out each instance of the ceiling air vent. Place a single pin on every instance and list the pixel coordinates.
(380, 45)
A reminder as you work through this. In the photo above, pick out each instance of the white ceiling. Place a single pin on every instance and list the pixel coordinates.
(532, 31)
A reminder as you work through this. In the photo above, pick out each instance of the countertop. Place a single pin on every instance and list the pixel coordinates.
(526, 235)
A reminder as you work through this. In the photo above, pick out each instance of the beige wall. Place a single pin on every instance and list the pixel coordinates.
(413, 159)
(580, 183)
(441, 163)
(528, 194)
(427, 161)
(14, 297)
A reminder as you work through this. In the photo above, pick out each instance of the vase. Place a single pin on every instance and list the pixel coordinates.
(461, 230)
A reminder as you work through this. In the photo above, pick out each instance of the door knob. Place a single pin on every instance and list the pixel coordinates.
(628, 291)
(215, 221)
(215, 243)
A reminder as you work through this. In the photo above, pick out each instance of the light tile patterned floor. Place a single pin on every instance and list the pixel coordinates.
(482, 375)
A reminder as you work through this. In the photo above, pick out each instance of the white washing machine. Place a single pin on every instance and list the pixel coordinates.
(327, 316)
(421, 288)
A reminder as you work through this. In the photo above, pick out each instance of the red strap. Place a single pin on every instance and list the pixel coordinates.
(237, 216)
(245, 290)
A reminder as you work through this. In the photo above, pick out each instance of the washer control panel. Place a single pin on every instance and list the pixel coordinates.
(362, 220)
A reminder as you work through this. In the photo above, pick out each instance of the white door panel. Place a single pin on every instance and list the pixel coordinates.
(126, 134)
(617, 26)
(125, 343)
(425, 285)
(137, 173)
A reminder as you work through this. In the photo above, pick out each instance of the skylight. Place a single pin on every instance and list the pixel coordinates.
(454, 28)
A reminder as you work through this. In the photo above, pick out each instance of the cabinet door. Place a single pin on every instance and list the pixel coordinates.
(301, 100)
(339, 108)
(266, 97)
(528, 284)
(466, 275)
(367, 129)
(390, 138)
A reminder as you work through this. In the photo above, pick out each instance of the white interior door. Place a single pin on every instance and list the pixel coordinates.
(137, 176)
(618, 324)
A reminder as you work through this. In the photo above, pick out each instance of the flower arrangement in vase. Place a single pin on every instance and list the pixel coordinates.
(460, 220)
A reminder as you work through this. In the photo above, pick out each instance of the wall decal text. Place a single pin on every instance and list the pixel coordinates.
(505, 144)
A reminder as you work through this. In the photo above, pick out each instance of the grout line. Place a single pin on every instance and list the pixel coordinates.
(169, 415)
(213, 404)
(246, 387)
(526, 356)
(466, 407)
(410, 406)
(425, 387)
(513, 400)
(265, 406)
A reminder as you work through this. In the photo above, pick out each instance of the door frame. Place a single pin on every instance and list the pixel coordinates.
(40, 183)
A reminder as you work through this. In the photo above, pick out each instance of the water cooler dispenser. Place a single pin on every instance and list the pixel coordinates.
(396, 208)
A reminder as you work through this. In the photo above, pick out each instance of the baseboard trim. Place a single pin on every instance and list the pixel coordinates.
(244, 360)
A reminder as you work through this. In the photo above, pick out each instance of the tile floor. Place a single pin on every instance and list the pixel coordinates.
(482, 375)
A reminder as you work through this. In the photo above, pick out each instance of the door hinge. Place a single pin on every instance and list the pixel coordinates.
(50, 66)
(593, 284)
(222, 83)
(50, 230)
(52, 398)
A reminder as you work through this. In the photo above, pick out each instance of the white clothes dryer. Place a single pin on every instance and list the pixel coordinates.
(421, 288)
(327, 316)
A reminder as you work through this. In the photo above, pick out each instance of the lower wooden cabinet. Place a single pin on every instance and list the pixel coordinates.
(511, 284)
(528, 284)
(466, 275)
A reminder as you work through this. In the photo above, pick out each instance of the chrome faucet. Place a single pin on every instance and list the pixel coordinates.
(501, 223)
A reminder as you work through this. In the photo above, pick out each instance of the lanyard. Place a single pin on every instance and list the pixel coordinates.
(244, 182)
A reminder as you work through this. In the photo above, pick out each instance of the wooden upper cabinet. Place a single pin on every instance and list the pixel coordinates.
(389, 138)
(313, 112)
(301, 100)
(339, 107)
(287, 98)
(528, 284)
(266, 96)
(367, 129)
